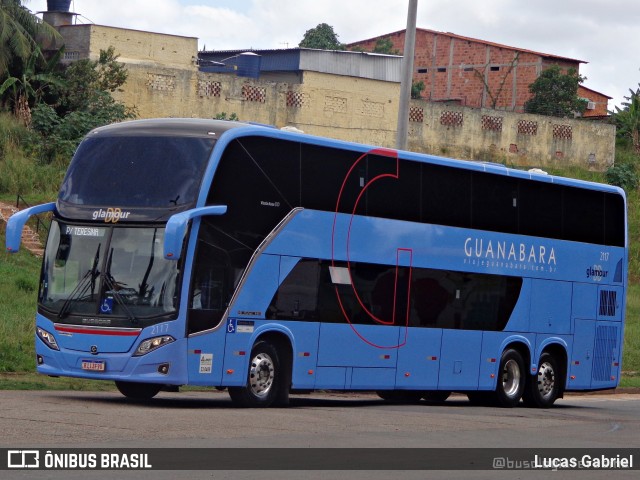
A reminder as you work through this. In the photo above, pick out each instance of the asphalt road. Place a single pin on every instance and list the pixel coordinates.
(63, 419)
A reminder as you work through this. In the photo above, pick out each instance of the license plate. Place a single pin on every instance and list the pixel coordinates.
(94, 365)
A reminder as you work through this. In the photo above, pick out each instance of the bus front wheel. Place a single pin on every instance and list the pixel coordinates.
(263, 379)
(543, 389)
(511, 379)
(138, 391)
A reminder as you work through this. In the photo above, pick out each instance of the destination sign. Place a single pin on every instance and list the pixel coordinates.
(75, 231)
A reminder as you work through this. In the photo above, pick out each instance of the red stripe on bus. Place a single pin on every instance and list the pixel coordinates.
(86, 331)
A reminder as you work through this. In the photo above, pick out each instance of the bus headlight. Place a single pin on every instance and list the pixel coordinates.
(47, 338)
(151, 344)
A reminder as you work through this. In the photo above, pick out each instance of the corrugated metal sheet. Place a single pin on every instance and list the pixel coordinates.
(354, 64)
(272, 60)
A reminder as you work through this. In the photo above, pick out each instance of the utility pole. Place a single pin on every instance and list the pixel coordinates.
(407, 76)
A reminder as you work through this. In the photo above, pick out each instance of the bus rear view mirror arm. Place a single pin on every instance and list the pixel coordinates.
(177, 228)
(16, 223)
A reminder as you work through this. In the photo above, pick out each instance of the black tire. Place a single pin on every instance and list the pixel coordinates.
(139, 391)
(543, 389)
(436, 397)
(265, 379)
(400, 397)
(511, 379)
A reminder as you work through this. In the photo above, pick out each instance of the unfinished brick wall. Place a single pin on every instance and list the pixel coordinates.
(471, 72)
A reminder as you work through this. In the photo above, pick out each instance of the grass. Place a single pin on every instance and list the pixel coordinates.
(18, 171)
(631, 347)
(18, 290)
(630, 381)
(35, 381)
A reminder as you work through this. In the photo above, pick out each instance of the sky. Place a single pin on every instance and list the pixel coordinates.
(604, 33)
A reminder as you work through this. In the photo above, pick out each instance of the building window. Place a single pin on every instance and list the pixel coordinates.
(207, 88)
(161, 83)
(416, 114)
(71, 56)
(252, 93)
(491, 123)
(451, 119)
(297, 99)
(562, 132)
(527, 127)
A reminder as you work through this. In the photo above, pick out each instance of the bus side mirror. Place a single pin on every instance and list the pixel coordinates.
(16, 223)
(177, 228)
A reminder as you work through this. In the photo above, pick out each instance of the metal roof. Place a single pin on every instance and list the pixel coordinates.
(354, 64)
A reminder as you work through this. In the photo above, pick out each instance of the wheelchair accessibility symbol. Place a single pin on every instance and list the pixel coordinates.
(107, 305)
(231, 325)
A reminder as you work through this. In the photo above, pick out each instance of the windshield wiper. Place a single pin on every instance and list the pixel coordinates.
(79, 292)
(113, 287)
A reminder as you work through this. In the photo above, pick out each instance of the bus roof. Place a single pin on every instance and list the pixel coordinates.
(184, 127)
(229, 130)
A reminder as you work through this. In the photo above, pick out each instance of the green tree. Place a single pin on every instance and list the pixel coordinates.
(20, 31)
(556, 93)
(28, 88)
(385, 46)
(86, 79)
(321, 37)
(416, 89)
(83, 103)
(627, 119)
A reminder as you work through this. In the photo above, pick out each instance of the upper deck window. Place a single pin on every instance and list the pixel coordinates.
(137, 171)
(287, 174)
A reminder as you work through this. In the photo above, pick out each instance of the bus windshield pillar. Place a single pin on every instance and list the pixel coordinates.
(177, 228)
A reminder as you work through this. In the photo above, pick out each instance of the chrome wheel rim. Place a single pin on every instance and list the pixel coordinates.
(546, 379)
(511, 378)
(261, 374)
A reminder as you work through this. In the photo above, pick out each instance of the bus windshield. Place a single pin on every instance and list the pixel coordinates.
(128, 171)
(117, 273)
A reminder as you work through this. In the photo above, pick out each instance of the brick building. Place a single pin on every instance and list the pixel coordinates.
(476, 73)
(597, 103)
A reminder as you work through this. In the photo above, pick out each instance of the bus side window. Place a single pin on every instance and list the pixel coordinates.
(297, 296)
(209, 288)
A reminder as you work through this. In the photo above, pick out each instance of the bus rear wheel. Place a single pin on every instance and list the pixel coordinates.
(264, 379)
(543, 389)
(138, 391)
(511, 379)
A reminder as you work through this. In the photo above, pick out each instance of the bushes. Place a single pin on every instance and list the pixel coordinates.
(19, 173)
(623, 176)
(56, 138)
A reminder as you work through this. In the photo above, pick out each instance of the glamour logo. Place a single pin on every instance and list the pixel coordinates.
(509, 251)
(110, 215)
(596, 273)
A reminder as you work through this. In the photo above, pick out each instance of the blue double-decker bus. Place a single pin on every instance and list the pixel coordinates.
(222, 254)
